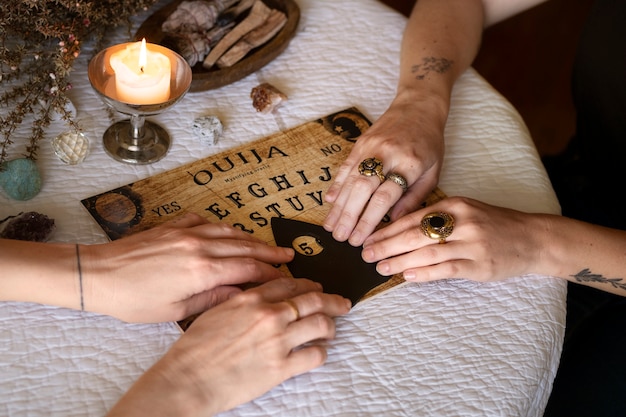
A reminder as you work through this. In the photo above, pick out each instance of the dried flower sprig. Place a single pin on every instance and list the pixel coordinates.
(39, 41)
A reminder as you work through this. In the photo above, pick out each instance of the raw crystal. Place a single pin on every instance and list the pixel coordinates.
(208, 129)
(32, 226)
(265, 98)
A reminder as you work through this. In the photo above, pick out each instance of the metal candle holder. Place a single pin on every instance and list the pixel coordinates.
(136, 140)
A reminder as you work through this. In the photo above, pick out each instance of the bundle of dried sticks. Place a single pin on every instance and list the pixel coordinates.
(220, 32)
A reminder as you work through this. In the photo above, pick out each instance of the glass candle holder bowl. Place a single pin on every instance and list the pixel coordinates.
(137, 140)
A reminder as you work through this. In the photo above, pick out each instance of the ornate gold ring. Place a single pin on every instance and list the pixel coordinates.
(438, 225)
(372, 166)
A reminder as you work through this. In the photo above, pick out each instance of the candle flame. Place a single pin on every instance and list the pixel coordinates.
(142, 55)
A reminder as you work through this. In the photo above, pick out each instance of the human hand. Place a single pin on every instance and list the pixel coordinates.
(408, 140)
(174, 270)
(487, 243)
(239, 350)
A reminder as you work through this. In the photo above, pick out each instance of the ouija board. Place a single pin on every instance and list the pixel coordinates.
(282, 175)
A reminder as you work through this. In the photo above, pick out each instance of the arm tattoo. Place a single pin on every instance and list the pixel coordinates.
(430, 64)
(586, 276)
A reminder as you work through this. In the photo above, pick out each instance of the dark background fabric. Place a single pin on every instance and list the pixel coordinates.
(589, 181)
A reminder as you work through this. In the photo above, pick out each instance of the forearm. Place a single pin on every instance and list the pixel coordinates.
(39, 272)
(584, 253)
(440, 42)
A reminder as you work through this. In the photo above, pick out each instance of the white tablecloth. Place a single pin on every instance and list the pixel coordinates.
(440, 349)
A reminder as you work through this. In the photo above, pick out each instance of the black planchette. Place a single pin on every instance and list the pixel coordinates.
(338, 266)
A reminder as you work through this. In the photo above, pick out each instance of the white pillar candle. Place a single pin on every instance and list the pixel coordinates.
(142, 76)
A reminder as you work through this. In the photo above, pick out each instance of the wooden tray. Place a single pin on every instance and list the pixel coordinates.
(204, 79)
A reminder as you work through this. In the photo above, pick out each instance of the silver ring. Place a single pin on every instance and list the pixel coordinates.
(398, 179)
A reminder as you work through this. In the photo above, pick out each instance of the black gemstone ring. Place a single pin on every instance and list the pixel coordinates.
(372, 166)
(438, 225)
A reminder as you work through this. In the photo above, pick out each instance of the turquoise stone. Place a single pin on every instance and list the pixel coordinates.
(20, 179)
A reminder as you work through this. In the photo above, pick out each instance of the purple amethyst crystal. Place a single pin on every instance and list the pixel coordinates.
(32, 226)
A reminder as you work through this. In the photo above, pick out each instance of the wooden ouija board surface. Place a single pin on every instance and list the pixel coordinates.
(283, 175)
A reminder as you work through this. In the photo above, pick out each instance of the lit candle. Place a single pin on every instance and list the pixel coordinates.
(142, 76)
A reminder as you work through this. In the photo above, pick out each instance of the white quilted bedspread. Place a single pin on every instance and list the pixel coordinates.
(449, 348)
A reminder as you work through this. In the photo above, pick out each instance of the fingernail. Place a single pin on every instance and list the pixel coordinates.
(367, 255)
(383, 268)
(409, 275)
(330, 195)
(355, 239)
(341, 233)
(329, 222)
(348, 303)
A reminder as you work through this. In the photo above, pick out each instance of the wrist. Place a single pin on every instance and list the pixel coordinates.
(550, 247)
(424, 104)
(166, 389)
(44, 273)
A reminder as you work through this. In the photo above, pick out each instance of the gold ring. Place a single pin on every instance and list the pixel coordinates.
(438, 225)
(398, 179)
(294, 307)
(372, 166)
